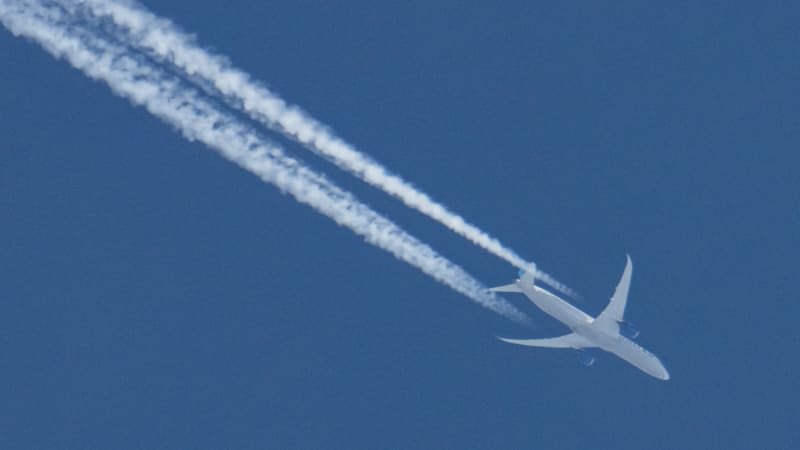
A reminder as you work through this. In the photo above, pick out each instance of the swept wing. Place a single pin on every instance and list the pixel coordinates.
(615, 310)
(571, 340)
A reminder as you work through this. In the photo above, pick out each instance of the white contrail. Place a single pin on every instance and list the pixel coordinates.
(165, 42)
(198, 119)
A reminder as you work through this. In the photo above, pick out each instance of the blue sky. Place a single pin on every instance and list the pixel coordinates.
(156, 296)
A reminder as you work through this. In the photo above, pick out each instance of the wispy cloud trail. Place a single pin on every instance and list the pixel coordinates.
(164, 41)
(198, 119)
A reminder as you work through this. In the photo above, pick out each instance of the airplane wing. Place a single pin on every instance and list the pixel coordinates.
(616, 307)
(571, 340)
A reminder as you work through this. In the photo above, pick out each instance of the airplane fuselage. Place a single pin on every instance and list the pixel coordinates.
(603, 335)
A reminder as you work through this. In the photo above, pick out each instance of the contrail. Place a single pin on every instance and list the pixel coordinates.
(198, 119)
(165, 42)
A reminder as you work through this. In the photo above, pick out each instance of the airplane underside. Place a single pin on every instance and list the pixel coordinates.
(608, 331)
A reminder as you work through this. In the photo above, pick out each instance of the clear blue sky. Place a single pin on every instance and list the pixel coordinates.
(154, 295)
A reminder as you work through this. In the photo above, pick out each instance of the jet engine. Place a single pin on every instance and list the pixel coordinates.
(628, 330)
(585, 357)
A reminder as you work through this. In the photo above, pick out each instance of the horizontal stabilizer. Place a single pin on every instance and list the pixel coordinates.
(506, 288)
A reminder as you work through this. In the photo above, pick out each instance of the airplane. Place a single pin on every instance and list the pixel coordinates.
(608, 331)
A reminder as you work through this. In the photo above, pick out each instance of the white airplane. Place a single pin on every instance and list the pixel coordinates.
(607, 331)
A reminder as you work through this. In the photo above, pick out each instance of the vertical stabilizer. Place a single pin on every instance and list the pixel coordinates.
(526, 277)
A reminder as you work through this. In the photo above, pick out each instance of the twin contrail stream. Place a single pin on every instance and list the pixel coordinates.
(165, 42)
(169, 99)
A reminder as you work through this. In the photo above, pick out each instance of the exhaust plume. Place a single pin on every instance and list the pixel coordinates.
(165, 42)
(198, 119)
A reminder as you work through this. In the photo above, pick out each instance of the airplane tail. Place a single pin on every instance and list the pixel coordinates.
(506, 288)
(526, 277)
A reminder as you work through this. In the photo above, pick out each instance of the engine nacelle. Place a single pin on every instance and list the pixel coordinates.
(586, 358)
(628, 330)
